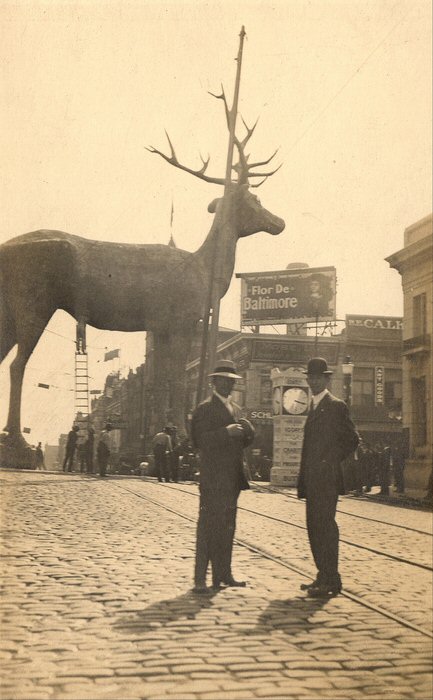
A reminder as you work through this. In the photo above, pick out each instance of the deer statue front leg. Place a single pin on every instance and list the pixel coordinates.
(159, 373)
(180, 346)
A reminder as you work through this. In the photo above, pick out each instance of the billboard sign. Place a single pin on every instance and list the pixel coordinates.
(298, 295)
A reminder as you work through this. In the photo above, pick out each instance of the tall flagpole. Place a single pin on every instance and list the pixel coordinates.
(215, 294)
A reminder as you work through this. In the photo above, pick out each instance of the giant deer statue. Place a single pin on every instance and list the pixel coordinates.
(123, 287)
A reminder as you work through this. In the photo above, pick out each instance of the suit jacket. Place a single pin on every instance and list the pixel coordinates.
(221, 456)
(329, 437)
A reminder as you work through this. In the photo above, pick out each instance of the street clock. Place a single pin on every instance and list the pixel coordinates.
(295, 400)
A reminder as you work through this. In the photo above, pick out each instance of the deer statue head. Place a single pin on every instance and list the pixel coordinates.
(247, 213)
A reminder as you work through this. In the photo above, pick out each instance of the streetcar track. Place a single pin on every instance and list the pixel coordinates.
(289, 496)
(364, 547)
(256, 550)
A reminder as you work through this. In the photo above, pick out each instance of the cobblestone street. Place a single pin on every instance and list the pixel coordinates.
(97, 599)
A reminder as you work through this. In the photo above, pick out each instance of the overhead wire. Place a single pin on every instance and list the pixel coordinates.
(346, 82)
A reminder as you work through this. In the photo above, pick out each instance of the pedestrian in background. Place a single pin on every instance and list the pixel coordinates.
(367, 467)
(90, 447)
(220, 434)
(81, 450)
(71, 444)
(162, 448)
(39, 457)
(329, 438)
(103, 450)
(398, 463)
(384, 463)
(174, 455)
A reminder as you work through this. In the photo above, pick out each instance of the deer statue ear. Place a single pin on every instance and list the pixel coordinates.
(213, 205)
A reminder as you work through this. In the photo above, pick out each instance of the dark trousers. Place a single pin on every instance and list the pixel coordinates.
(102, 464)
(89, 463)
(162, 465)
(323, 534)
(384, 477)
(174, 466)
(398, 468)
(215, 532)
(68, 462)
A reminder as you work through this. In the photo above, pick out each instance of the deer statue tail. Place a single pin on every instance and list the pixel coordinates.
(7, 325)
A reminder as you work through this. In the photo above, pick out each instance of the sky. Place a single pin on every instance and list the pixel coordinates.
(341, 87)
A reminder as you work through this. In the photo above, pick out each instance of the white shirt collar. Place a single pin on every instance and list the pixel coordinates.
(318, 397)
(226, 400)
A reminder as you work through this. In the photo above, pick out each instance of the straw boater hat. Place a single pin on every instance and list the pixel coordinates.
(225, 368)
(317, 365)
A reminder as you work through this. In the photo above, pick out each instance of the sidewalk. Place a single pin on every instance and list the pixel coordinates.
(97, 603)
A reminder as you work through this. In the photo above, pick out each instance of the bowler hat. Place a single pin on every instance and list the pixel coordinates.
(317, 365)
(225, 368)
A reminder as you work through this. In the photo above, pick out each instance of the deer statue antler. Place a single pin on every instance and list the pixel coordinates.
(242, 168)
(174, 161)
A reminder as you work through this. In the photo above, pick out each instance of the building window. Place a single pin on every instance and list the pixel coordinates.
(265, 390)
(363, 386)
(419, 315)
(419, 415)
(393, 389)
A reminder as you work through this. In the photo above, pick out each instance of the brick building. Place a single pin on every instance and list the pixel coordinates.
(414, 262)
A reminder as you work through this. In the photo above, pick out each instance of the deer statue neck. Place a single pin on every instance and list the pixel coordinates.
(218, 252)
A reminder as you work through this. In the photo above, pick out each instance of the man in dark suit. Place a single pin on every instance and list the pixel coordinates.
(220, 434)
(329, 437)
(71, 445)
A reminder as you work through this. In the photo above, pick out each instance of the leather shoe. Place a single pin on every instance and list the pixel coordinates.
(201, 590)
(307, 586)
(323, 592)
(234, 584)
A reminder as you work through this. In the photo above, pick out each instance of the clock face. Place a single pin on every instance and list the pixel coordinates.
(295, 400)
(276, 401)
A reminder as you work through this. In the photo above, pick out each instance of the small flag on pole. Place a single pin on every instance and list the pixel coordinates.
(43, 386)
(111, 355)
(95, 391)
(27, 430)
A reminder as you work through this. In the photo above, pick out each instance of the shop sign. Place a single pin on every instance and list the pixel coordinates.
(375, 325)
(379, 374)
(260, 415)
(288, 296)
(283, 351)
(291, 398)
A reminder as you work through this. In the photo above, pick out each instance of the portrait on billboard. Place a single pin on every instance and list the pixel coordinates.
(320, 295)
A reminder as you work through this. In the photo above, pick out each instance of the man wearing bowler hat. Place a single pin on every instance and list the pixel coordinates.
(220, 434)
(329, 437)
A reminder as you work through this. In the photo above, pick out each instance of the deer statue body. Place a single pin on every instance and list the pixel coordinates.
(119, 286)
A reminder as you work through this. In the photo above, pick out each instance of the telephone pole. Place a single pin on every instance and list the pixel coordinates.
(210, 337)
